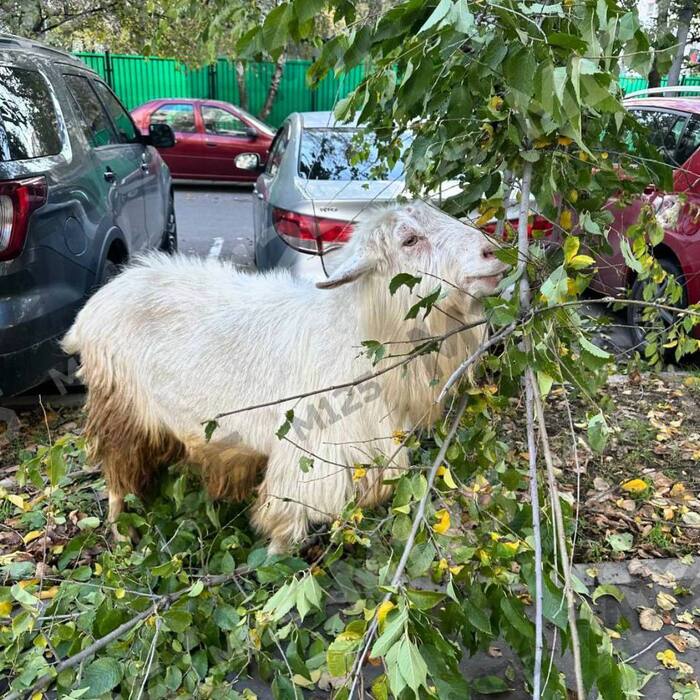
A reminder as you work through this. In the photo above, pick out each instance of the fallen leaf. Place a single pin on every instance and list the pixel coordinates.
(692, 518)
(650, 620)
(677, 642)
(666, 601)
(635, 486)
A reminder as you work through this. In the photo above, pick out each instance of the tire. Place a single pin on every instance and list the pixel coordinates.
(169, 242)
(640, 327)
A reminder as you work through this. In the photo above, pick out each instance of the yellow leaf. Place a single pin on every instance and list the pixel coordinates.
(573, 196)
(511, 546)
(541, 142)
(495, 103)
(34, 534)
(398, 436)
(443, 521)
(5, 608)
(358, 473)
(48, 593)
(446, 475)
(566, 220)
(669, 513)
(454, 570)
(443, 565)
(16, 500)
(37, 696)
(564, 140)
(357, 516)
(57, 548)
(98, 569)
(383, 610)
(119, 593)
(668, 658)
(486, 216)
(635, 486)
(579, 261)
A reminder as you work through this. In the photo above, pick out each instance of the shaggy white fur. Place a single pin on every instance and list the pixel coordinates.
(171, 342)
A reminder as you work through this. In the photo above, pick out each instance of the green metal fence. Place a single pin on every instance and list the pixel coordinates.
(137, 79)
(630, 83)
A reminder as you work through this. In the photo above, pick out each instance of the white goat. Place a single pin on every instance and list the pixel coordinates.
(171, 342)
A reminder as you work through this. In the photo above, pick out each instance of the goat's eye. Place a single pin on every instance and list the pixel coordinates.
(411, 240)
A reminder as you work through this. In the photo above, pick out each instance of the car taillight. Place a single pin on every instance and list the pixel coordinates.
(537, 224)
(18, 199)
(310, 234)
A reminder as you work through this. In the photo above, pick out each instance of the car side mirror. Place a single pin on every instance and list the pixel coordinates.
(161, 136)
(251, 132)
(247, 161)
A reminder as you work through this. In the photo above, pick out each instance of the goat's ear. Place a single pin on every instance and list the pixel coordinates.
(353, 268)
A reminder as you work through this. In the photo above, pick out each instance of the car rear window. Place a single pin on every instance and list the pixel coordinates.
(327, 154)
(28, 121)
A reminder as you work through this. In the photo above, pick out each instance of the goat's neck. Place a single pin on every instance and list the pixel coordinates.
(411, 391)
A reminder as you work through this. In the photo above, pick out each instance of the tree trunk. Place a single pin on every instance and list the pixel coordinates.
(242, 86)
(274, 87)
(685, 16)
(663, 6)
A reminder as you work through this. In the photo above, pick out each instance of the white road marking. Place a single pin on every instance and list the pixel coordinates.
(216, 246)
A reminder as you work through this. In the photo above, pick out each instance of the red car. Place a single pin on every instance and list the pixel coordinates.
(674, 127)
(209, 136)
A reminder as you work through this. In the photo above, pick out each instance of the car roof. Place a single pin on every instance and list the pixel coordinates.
(188, 100)
(319, 120)
(9, 42)
(684, 104)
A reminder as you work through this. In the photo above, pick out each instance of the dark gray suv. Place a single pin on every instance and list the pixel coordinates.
(81, 191)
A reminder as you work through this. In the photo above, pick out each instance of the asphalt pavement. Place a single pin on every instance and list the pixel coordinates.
(215, 221)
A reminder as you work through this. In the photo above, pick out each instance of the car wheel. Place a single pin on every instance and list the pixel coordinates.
(169, 242)
(639, 326)
(110, 270)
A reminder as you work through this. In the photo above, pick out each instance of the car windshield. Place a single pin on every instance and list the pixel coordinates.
(28, 122)
(327, 154)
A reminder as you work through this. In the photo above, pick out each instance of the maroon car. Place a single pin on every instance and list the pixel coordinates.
(674, 127)
(209, 136)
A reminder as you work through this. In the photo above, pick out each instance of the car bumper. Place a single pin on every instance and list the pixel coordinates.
(23, 369)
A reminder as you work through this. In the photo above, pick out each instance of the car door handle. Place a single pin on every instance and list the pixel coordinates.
(212, 145)
(109, 175)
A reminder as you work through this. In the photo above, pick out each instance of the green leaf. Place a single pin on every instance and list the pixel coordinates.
(275, 32)
(305, 464)
(424, 600)
(592, 349)
(102, 676)
(426, 303)
(608, 589)
(308, 9)
(391, 633)
(412, 665)
(209, 428)
(225, 617)
(598, 432)
(437, 15)
(177, 620)
(286, 426)
(196, 589)
(173, 678)
(403, 279)
(620, 541)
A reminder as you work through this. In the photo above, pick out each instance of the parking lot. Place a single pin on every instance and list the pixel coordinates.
(215, 221)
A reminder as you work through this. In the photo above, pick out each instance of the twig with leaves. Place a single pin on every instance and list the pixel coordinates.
(160, 605)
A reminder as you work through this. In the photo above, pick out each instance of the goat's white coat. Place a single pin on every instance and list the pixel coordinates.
(183, 339)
